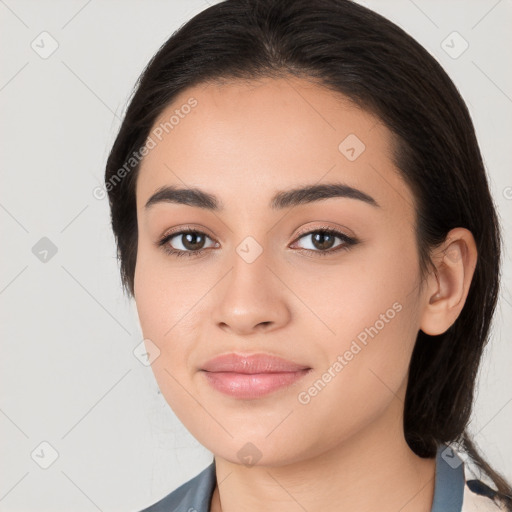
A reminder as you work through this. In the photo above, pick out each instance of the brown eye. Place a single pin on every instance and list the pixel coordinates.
(192, 241)
(323, 241)
(185, 243)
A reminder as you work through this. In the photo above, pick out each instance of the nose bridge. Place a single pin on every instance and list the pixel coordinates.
(250, 272)
(251, 241)
(250, 250)
(251, 295)
(256, 248)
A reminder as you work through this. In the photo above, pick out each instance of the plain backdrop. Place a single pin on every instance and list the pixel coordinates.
(73, 397)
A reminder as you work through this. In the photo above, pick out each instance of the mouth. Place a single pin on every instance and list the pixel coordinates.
(251, 376)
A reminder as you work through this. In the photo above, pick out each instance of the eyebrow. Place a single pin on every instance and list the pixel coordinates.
(282, 199)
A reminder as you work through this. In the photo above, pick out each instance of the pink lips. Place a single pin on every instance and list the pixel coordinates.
(251, 376)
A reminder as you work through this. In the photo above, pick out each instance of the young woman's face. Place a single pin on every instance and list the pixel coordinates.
(343, 308)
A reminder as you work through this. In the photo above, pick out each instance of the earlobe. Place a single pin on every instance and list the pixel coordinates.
(448, 286)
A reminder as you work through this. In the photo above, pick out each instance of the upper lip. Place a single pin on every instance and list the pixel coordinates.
(252, 363)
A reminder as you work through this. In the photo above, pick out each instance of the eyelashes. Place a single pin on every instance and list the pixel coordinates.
(324, 232)
(164, 243)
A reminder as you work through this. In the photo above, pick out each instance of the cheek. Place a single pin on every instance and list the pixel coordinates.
(364, 292)
(367, 365)
(165, 296)
(372, 308)
(162, 301)
(169, 306)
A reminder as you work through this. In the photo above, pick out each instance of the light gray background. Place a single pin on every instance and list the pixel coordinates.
(68, 373)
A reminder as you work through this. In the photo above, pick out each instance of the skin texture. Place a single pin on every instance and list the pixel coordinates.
(243, 142)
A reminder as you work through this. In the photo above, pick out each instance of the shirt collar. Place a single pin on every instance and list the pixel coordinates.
(448, 490)
(450, 481)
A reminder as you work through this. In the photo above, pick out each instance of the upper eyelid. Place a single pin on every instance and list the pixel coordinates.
(309, 231)
(337, 232)
(185, 229)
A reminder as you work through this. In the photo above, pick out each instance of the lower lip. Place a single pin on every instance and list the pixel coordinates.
(251, 385)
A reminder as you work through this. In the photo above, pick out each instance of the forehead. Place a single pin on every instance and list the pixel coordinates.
(245, 140)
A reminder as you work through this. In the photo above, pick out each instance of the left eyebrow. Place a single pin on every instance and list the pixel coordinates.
(282, 199)
(312, 193)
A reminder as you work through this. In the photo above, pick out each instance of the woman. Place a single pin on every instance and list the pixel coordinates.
(304, 221)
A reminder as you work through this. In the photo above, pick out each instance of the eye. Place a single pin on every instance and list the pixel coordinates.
(188, 242)
(323, 241)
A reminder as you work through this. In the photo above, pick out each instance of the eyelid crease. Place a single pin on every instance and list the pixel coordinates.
(187, 228)
(327, 228)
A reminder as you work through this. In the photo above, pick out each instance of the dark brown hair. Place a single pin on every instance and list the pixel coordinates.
(356, 52)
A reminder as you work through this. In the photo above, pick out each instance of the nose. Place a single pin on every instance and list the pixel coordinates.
(251, 298)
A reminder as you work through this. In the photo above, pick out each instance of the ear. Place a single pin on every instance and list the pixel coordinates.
(448, 286)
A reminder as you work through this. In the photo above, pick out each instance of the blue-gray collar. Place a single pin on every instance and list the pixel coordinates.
(196, 494)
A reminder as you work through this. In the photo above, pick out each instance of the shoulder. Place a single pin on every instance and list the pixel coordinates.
(195, 494)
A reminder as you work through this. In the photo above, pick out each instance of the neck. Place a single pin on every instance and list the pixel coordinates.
(372, 470)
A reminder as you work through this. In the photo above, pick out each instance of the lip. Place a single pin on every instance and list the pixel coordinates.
(251, 376)
(251, 363)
